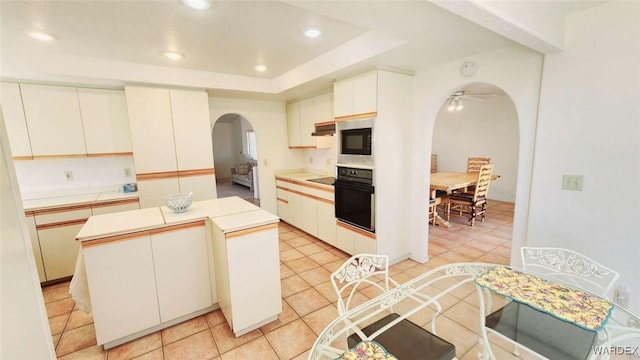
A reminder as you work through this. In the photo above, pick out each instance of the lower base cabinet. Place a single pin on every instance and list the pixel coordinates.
(122, 285)
(353, 240)
(59, 249)
(141, 282)
(247, 267)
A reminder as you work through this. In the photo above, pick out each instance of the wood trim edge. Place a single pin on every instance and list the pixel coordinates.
(356, 116)
(305, 195)
(371, 236)
(306, 184)
(261, 228)
(137, 234)
(61, 224)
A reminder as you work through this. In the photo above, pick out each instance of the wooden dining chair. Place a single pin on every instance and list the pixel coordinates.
(405, 340)
(434, 163)
(473, 203)
(474, 163)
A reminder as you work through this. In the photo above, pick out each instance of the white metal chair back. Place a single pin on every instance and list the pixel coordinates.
(358, 270)
(571, 267)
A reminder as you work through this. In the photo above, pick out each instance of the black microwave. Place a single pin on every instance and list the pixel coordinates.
(355, 141)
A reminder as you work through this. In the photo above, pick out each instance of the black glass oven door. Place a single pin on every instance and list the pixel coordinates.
(354, 204)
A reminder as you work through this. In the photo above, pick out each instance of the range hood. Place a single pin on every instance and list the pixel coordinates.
(327, 128)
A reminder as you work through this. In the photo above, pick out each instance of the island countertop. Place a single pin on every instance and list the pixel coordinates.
(126, 222)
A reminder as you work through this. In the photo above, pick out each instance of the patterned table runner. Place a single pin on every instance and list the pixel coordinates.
(578, 307)
(367, 350)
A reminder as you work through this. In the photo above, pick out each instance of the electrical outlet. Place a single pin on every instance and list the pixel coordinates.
(310, 159)
(328, 162)
(264, 162)
(572, 182)
(127, 172)
(68, 175)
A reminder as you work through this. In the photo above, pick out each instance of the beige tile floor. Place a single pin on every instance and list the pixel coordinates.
(308, 302)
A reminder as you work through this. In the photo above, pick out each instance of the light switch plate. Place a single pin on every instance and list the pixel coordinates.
(572, 182)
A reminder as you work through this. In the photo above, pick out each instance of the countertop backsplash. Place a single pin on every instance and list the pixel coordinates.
(50, 177)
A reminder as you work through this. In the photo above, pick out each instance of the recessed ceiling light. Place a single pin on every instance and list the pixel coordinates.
(173, 55)
(261, 68)
(312, 33)
(42, 36)
(198, 4)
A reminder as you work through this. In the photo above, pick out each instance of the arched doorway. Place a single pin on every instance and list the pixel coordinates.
(235, 157)
(485, 124)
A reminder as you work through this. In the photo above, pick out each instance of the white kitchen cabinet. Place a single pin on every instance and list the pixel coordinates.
(356, 96)
(202, 186)
(353, 240)
(363, 244)
(116, 206)
(53, 120)
(35, 244)
(344, 239)
(151, 124)
(105, 121)
(181, 263)
(326, 222)
(283, 207)
(122, 283)
(57, 229)
(301, 119)
(309, 211)
(293, 124)
(192, 133)
(152, 192)
(15, 121)
(59, 249)
(247, 270)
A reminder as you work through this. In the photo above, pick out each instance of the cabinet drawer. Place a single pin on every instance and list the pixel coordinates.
(62, 215)
(112, 207)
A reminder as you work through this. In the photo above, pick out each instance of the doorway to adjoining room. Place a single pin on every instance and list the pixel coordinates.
(477, 120)
(235, 158)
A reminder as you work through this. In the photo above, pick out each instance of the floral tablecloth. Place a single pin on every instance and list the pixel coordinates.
(581, 308)
(367, 350)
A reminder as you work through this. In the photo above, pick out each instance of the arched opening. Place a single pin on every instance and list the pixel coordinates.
(235, 157)
(478, 120)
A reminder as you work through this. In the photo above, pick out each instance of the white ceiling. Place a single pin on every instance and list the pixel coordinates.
(231, 37)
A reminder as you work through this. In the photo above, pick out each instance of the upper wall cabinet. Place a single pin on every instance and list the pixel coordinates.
(53, 120)
(105, 121)
(172, 147)
(356, 96)
(190, 112)
(151, 127)
(14, 120)
(302, 117)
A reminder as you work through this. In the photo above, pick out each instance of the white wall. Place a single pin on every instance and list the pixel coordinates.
(24, 330)
(321, 160)
(268, 119)
(590, 125)
(46, 177)
(516, 70)
(486, 127)
(223, 148)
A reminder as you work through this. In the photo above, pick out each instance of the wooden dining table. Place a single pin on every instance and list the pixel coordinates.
(450, 181)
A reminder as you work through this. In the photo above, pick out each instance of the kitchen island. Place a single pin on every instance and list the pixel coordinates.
(149, 269)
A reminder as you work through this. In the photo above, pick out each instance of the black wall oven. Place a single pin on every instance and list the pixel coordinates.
(354, 197)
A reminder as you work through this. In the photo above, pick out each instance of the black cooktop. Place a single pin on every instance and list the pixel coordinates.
(324, 180)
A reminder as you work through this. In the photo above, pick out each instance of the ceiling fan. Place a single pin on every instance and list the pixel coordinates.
(455, 99)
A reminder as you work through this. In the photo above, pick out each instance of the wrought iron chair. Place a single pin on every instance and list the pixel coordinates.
(570, 267)
(473, 203)
(373, 270)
